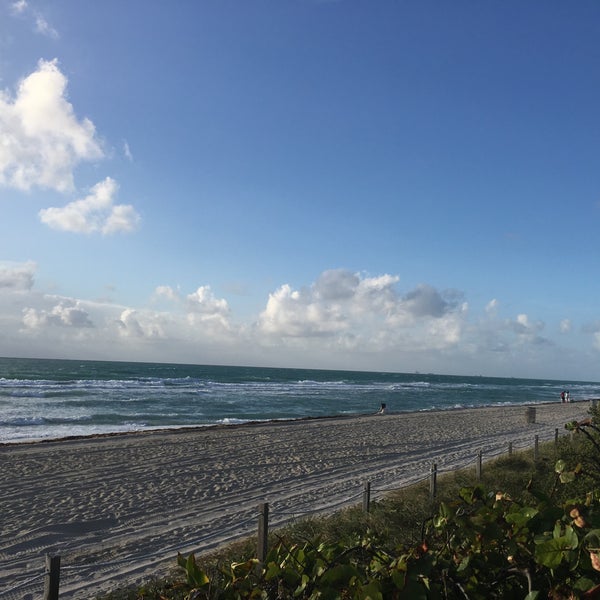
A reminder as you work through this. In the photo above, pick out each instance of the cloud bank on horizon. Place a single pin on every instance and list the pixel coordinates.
(72, 235)
(339, 316)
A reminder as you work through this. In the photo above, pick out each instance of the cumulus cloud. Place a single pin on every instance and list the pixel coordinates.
(205, 309)
(355, 310)
(425, 301)
(41, 143)
(200, 308)
(523, 325)
(64, 314)
(137, 324)
(17, 277)
(295, 313)
(41, 139)
(528, 331)
(96, 213)
(336, 284)
(341, 319)
(205, 302)
(325, 308)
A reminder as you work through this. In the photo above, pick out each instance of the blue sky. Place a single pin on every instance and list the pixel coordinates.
(334, 184)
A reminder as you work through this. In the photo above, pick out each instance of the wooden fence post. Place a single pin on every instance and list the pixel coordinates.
(52, 577)
(556, 440)
(433, 482)
(478, 466)
(510, 448)
(536, 448)
(263, 531)
(366, 496)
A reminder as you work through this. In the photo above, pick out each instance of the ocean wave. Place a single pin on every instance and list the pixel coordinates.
(23, 422)
(37, 421)
(231, 421)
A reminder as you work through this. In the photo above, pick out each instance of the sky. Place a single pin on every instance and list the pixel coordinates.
(339, 184)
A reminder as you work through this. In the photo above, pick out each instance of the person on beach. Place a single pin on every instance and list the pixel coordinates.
(382, 410)
(563, 396)
(567, 396)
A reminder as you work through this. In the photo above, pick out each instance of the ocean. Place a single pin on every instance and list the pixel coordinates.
(47, 399)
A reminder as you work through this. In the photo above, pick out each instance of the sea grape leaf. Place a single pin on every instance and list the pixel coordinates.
(583, 584)
(196, 577)
(522, 516)
(567, 477)
(339, 574)
(560, 466)
(303, 583)
(464, 563)
(371, 591)
(552, 552)
(399, 579)
(592, 540)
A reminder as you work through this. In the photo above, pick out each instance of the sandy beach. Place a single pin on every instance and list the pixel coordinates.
(118, 508)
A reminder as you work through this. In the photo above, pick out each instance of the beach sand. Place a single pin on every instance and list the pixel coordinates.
(118, 508)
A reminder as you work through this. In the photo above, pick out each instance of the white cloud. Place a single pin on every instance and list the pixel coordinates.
(41, 139)
(127, 151)
(593, 329)
(492, 307)
(42, 26)
(120, 218)
(527, 331)
(64, 314)
(291, 313)
(19, 7)
(205, 309)
(565, 326)
(336, 284)
(342, 320)
(425, 301)
(364, 312)
(17, 277)
(138, 324)
(23, 9)
(205, 302)
(96, 213)
(523, 325)
(167, 292)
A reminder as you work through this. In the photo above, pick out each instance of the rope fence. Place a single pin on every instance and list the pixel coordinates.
(53, 569)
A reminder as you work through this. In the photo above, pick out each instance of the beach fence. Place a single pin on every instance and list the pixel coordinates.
(46, 585)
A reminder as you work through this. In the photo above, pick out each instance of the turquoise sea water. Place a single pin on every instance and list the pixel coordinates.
(42, 399)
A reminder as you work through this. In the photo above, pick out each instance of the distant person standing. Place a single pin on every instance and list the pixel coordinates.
(567, 396)
(563, 396)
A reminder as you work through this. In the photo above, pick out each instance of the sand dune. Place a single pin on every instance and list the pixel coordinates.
(118, 508)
